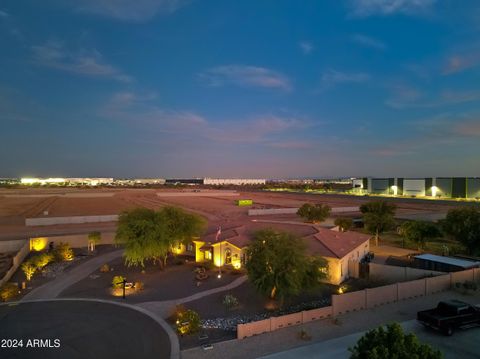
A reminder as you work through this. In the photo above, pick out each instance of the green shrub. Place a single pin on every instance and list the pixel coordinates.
(28, 269)
(230, 301)
(117, 281)
(63, 252)
(42, 259)
(188, 321)
(8, 291)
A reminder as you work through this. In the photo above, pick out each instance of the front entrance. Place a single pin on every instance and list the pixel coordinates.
(228, 256)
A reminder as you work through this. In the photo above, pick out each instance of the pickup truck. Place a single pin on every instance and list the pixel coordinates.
(450, 315)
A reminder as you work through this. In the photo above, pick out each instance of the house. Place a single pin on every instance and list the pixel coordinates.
(229, 249)
(338, 248)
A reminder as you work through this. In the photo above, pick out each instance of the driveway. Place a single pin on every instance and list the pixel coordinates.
(463, 344)
(85, 329)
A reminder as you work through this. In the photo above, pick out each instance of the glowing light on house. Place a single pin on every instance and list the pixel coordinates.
(38, 244)
(435, 190)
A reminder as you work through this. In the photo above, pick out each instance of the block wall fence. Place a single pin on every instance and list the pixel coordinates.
(359, 300)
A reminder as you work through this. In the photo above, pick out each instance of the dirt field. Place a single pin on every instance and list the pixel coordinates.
(17, 205)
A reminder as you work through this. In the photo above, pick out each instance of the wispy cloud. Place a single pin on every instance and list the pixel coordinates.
(368, 41)
(306, 47)
(363, 8)
(246, 76)
(404, 96)
(332, 77)
(470, 128)
(4, 14)
(53, 54)
(461, 62)
(142, 111)
(128, 10)
(444, 131)
(292, 145)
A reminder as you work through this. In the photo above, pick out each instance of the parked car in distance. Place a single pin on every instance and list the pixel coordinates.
(450, 315)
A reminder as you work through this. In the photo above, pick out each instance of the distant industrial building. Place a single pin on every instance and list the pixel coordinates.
(184, 181)
(233, 181)
(436, 187)
(66, 181)
(149, 181)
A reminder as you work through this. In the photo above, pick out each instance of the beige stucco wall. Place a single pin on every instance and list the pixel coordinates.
(220, 250)
(338, 268)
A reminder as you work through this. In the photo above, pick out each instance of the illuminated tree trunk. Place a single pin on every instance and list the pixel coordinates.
(273, 292)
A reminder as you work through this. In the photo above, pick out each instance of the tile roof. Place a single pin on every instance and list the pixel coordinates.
(326, 243)
(330, 243)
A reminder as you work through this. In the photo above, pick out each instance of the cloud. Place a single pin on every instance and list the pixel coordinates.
(468, 128)
(4, 14)
(368, 41)
(141, 111)
(404, 96)
(364, 8)
(128, 10)
(442, 130)
(458, 63)
(246, 76)
(332, 77)
(306, 47)
(292, 145)
(83, 62)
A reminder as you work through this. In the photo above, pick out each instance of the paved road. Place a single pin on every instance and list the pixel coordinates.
(464, 344)
(86, 330)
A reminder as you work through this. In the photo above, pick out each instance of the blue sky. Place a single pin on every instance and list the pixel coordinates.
(272, 88)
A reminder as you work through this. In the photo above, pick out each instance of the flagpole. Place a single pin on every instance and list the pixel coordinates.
(219, 231)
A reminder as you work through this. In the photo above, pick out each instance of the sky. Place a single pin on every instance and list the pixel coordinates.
(249, 89)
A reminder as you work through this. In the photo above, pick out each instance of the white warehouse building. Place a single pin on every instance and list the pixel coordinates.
(233, 181)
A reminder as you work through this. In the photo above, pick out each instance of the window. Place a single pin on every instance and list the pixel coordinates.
(190, 247)
(208, 255)
(228, 256)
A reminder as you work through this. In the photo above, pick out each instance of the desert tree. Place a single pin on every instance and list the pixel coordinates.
(278, 265)
(378, 217)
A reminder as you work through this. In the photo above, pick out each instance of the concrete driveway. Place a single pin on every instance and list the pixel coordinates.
(463, 344)
(85, 329)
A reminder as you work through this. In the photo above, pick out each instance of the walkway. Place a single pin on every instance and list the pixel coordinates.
(63, 281)
(165, 308)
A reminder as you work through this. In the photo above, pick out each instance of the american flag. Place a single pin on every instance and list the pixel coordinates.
(219, 231)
